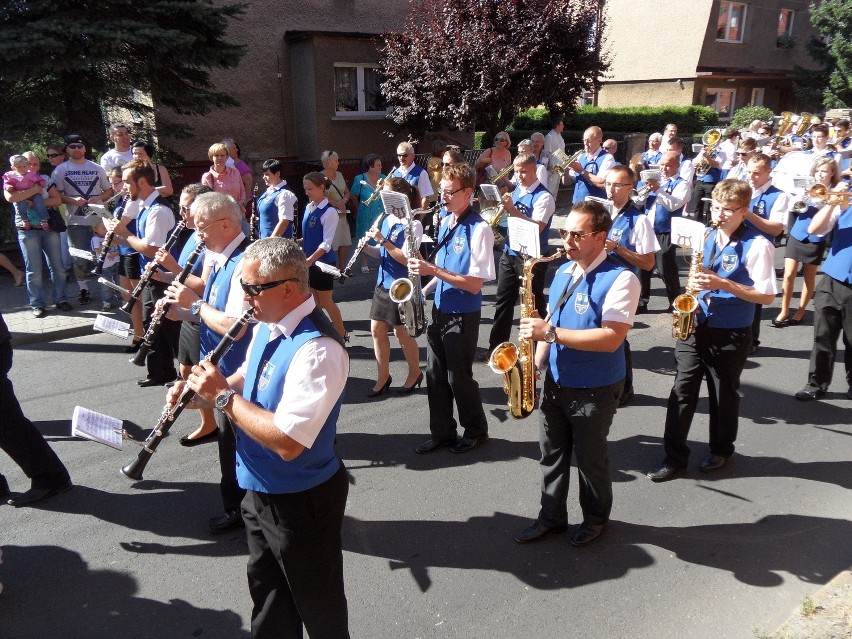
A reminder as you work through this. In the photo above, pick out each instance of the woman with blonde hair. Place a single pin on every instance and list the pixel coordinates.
(223, 178)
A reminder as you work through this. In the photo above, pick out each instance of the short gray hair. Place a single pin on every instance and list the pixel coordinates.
(327, 155)
(210, 205)
(407, 147)
(655, 136)
(537, 136)
(279, 257)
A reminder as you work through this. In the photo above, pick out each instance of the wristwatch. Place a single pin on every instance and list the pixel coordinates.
(221, 401)
(550, 335)
(195, 307)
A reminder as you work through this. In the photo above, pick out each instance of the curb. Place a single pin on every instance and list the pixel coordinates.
(21, 338)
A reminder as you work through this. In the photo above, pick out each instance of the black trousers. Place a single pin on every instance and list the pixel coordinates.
(697, 206)
(232, 494)
(576, 420)
(295, 566)
(160, 360)
(832, 315)
(20, 439)
(717, 354)
(628, 362)
(755, 324)
(451, 338)
(510, 269)
(666, 262)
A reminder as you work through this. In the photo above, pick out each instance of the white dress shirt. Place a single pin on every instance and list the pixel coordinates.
(236, 304)
(328, 221)
(621, 299)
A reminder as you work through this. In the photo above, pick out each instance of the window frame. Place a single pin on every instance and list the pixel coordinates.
(788, 33)
(730, 5)
(757, 96)
(361, 89)
(718, 90)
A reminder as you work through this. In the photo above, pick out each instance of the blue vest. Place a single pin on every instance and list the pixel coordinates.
(581, 188)
(258, 468)
(662, 216)
(389, 268)
(620, 232)
(267, 211)
(525, 205)
(117, 214)
(185, 252)
(455, 256)
(216, 294)
(720, 309)
(651, 157)
(569, 367)
(142, 220)
(712, 176)
(799, 230)
(412, 177)
(762, 206)
(838, 264)
(312, 233)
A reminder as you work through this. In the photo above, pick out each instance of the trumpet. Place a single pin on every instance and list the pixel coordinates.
(820, 193)
(494, 179)
(379, 185)
(563, 161)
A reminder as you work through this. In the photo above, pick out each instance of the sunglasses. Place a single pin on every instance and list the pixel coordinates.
(55, 155)
(500, 140)
(253, 290)
(576, 235)
(75, 146)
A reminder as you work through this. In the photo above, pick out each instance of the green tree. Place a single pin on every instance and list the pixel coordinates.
(66, 64)
(833, 52)
(461, 63)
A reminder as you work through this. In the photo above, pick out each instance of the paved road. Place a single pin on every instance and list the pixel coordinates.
(428, 539)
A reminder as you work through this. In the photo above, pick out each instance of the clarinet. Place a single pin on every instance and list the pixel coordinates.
(157, 318)
(347, 271)
(108, 238)
(134, 469)
(254, 220)
(127, 307)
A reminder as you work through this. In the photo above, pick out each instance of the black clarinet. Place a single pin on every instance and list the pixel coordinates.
(109, 236)
(127, 307)
(134, 469)
(254, 220)
(347, 270)
(157, 318)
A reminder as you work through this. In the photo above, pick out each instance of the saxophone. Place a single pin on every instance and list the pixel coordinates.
(685, 304)
(407, 292)
(517, 363)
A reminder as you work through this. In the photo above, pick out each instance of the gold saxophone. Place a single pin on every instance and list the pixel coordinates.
(685, 304)
(517, 363)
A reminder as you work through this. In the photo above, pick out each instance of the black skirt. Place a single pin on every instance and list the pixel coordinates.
(384, 309)
(128, 266)
(320, 280)
(805, 252)
(189, 346)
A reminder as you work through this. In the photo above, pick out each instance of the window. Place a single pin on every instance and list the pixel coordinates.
(357, 90)
(757, 97)
(785, 23)
(721, 101)
(731, 21)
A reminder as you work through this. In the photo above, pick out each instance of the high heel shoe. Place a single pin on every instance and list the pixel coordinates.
(381, 391)
(405, 390)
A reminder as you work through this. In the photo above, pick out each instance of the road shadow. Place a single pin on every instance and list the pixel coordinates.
(51, 592)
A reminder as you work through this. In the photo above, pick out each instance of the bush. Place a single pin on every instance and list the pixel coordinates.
(744, 116)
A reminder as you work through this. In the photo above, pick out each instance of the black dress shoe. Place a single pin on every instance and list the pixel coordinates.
(810, 393)
(665, 473)
(231, 520)
(35, 495)
(537, 531)
(433, 444)
(713, 462)
(151, 381)
(466, 444)
(586, 534)
(780, 323)
(405, 390)
(189, 442)
(4, 488)
(381, 391)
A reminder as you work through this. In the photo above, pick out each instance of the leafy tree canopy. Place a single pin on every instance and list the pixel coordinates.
(64, 64)
(833, 19)
(460, 63)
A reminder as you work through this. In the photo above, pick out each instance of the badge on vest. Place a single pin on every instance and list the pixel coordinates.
(729, 263)
(214, 293)
(761, 208)
(395, 234)
(312, 221)
(458, 244)
(616, 234)
(592, 168)
(581, 303)
(265, 375)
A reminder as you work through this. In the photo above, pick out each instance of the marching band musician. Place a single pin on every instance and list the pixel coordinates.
(745, 151)
(589, 171)
(653, 154)
(154, 222)
(415, 175)
(276, 206)
(464, 262)
(592, 305)
(384, 313)
(630, 243)
(532, 201)
(736, 273)
(284, 401)
(704, 184)
(527, 146)
(217, 220)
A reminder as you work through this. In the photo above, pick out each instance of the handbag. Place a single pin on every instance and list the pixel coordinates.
(56, 221)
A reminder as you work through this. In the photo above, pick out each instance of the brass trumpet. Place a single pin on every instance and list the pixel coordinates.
(376, 192)
(563, 161)
(494, 179)
(820, 193)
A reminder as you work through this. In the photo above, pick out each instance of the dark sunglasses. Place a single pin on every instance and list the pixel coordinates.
(75, 146)
(55, 155)
(253, 290)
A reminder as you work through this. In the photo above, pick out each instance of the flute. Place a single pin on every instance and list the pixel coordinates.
(134, 469)
(157, 318)
(127, 307)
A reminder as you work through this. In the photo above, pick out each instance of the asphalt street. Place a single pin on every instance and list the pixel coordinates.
(428, 549)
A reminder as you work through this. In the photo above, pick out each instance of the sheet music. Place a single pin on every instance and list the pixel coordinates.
(524, 236)
(396, 204)
(100, 209)
(490, 192)
(97, 427)
(688, 233)
(85, 255)
(112, 326)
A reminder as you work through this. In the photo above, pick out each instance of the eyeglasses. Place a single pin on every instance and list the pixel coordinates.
(184, 209)
(743, 152)
(253, 290)
(575, 235)
(447, 164)
(718, 209)
(55, 155)
(402, 155)
(203, 229)
(617, 184)
(75, 146)
(501, 139)
(448, 194)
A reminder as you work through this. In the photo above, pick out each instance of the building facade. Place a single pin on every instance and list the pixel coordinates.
(717, 53)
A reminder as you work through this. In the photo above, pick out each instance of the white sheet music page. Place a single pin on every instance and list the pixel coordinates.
(396, 204)
(490, 192)
(84, 255)
(524, 237)
(112, 326)
(97, 427)
(687, 233)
